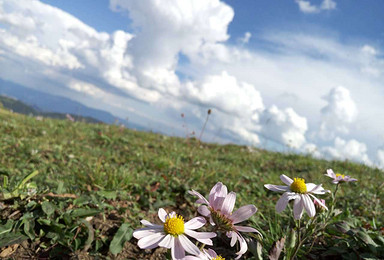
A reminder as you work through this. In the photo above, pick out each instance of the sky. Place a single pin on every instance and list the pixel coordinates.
(298, 76)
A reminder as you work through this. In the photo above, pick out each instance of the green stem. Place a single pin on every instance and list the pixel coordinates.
(298, 243)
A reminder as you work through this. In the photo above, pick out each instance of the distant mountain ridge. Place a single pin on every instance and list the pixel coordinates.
(21, 108)
(47, 103)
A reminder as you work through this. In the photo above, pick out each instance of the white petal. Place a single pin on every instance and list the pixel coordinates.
(316, 189)
(195, 223)
(330, 173)
(277, 188)
(167, 242)
(204, 210)
(284, 178)
(298, 207)
(319, 201)
(151, 241)
(229, 203)
(243, 213)
(188, 245)
(143, 232)
(282, 202)
(309, 205)
(162, 214)
(149, 224)
(177, 250)
(204, 237)
(198, 235)
(246, 229)
(201, 200)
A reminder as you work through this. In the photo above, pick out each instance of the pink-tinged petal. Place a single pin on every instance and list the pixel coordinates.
(211, 221)
(319, 201)
(298, 207)
(191, 257)
(162, 214)
(201, 200)
(216, 199)
(151, 241)
(195, 223)
(204, 210)
(277, 188)
(188, 245)
(229, 203)
(177, 251)
(243, 213)
(246, 229)
(308, 205)
(348, 178)
(211, 253)
(233, 236)
(284, 178)
(203, 237)
(330, 174)
(143, 232)
(243, 246)
(215, 189)
(167, 242)
(282, 202)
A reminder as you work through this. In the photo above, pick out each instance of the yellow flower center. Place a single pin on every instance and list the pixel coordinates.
(338, 175)
(174, 225)
(219, 257)
(298, 185)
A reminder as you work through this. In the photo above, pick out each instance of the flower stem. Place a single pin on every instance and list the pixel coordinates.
(298, 241)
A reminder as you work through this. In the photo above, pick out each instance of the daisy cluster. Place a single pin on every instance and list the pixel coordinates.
(217, 211)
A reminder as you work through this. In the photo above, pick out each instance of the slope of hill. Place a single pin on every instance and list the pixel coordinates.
(115, 175)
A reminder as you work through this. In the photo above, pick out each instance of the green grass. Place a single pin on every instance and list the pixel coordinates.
(146, 171)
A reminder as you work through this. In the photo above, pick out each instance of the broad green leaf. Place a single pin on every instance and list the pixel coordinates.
(108, 194)
(84, 212)
(7, 228)
(122, 235)
(11, 238)
(48, 208)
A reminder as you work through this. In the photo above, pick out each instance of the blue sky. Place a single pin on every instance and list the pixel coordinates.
(298, 75)
(350, 20)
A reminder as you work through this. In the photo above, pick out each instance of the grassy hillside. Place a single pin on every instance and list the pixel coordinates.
(117, 176)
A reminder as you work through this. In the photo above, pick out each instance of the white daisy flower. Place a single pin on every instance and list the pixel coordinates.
(300, 192)
(172, 234)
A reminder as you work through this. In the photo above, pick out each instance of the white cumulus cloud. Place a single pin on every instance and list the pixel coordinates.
(284, 126)
(347, 150)
(339, 113)
(307, 7)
